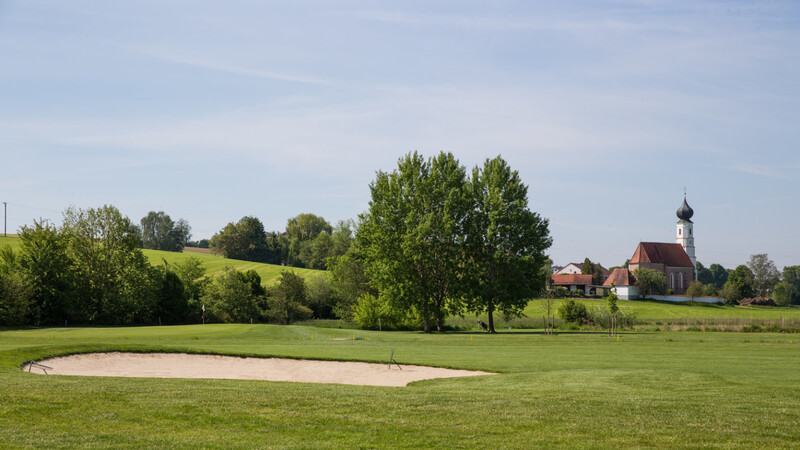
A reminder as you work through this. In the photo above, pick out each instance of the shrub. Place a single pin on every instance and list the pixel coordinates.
(573, 311)
(758, 301)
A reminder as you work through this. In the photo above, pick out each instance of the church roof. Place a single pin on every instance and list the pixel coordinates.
(685, 212)
(672, 255)
(569, 279)
(620, 277)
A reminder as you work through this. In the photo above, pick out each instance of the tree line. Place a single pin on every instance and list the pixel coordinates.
(91, 270)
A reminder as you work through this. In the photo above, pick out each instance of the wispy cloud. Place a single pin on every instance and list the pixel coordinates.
(233, 68)
(762, 170)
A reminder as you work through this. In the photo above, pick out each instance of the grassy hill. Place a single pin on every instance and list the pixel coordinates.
(213, 263)
(570, 390)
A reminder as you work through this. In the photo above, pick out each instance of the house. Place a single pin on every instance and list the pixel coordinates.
(623, 283)
(578, 268)
(573, 282)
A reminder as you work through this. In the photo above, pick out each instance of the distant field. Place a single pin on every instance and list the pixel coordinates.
(214, 263)
(11, 240)
(570, 390)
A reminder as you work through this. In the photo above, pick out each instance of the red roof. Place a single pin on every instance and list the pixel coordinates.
(569, 279)
(672, 255)
(620, 277)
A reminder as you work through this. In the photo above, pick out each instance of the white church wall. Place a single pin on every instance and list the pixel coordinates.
(684, 298)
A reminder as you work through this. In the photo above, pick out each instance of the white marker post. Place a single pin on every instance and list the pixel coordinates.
(204, 313)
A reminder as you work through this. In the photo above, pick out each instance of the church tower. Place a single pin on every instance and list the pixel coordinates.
(685, 235)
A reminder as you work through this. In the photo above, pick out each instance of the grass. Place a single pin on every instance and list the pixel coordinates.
(11, 240)
(214, 263)
(568, 390)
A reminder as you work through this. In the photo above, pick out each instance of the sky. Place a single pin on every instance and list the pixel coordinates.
(609, 110)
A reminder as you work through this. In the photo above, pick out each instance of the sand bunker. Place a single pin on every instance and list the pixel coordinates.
(182, 365)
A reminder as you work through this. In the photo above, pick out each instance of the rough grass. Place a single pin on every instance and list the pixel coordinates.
(568, 390)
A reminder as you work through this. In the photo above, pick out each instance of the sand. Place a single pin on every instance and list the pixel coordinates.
(182, 365)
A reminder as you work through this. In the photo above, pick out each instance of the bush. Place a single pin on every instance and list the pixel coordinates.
(573, 311)
(759, 301)
(371, 312)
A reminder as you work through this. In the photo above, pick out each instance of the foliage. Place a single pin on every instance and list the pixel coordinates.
(742, 277)
(696, 289)
(321, 298)
(650, 282)
(719, 275)
(573, 311)
(505, 243)
(412, 236)
(791, 281)
(15, 299)
(230, 298)
(349, 282)
(245, 240)
(47, 271)
(372, 313)
(765, 274)
(603, 317)
(288, 300)
(159, 232)
(112, 277)
(611, 302)
(731, 292)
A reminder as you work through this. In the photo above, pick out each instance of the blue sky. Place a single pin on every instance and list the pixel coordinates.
(211, 111)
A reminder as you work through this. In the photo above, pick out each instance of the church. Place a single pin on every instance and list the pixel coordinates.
(676, 261)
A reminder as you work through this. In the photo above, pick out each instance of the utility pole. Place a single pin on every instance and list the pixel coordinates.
(5, 221)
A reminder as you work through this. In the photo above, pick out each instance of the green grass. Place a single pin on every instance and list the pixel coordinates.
(11, 240)
(568, 390)
(214, 263)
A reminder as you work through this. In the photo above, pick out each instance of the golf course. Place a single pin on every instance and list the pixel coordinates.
(570, 389)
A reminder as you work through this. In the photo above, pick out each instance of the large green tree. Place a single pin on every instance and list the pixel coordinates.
(288, 300)
(765, 274)
(159, 232)
(743, 280)
(413, 237)
(505, 241)
(245, 240)
(48, 272)
(650, 282)
(719, 275)
(113, 279)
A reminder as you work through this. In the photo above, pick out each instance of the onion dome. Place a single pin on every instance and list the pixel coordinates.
(685, 212)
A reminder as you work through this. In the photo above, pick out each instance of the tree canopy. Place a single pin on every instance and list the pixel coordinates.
(159, 232)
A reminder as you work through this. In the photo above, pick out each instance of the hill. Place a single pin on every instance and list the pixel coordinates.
(212, 263)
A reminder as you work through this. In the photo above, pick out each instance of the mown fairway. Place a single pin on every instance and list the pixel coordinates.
(681, 389)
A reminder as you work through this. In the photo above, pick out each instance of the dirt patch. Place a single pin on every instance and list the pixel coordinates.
(182, 365)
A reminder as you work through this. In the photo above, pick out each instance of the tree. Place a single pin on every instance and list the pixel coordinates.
(309, 240)
(719, 275)
(783, 294)
(245, 240)
(573, 311)
(765, 274)
(288, 299)
(650, 282)
(349, 282)
(113, 279)
(791, 277)
(731, 292)
(172, 306)
(696, 289)
(47, 271)
(741, 277)
(704, 274)
(159, 232)
(588, 267)
(230, 298)
(412, 235)
(505, 242)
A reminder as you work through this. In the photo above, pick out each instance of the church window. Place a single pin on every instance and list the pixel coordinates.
(672, 280)
(679, 231)
(681, 280)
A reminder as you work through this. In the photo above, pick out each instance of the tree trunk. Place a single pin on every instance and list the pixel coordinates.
(490, 310)
(425, 318)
